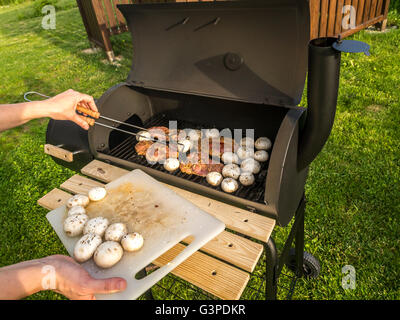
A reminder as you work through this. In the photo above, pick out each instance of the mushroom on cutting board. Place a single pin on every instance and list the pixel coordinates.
(115, 232)
(74, 225)
(108, 254)
(76, 210)
(96, 225)
(132, 241)
(97, 193)
(78, 200)
(86, 246)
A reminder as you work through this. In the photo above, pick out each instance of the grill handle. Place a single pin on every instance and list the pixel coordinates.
(322, 93)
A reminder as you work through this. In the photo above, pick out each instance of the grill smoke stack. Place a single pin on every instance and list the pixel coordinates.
(322, 92)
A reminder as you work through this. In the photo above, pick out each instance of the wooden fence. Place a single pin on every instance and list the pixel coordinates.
(344, 17)
(328, 18)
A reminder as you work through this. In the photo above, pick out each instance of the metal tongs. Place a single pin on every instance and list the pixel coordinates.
(91, 116)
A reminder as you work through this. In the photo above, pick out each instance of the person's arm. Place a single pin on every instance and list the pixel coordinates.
(59, 273)
(60, 107)
(20, 280)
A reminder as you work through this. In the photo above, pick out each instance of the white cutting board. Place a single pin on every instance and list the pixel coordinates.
(159, 214)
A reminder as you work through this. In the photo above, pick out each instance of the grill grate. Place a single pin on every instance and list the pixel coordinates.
(126, 151)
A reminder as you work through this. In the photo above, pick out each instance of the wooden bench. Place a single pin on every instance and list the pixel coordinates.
(223, 266)
(102, 19)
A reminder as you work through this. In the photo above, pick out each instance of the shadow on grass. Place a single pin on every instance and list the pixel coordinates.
(69, 35)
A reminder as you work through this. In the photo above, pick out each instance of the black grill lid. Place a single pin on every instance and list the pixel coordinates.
(253, 51)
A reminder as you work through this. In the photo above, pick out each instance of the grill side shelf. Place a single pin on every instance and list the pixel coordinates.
(248, 223)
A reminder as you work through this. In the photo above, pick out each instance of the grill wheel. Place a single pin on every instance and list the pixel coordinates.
(311, 266)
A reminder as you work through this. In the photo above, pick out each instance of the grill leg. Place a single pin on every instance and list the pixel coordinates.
(299, 241)
(275, 263)
(296, 234)
(272, 262)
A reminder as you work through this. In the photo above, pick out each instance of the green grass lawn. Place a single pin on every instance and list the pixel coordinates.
(353, 190)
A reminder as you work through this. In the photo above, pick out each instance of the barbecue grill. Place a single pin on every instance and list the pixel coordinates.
(235, 65)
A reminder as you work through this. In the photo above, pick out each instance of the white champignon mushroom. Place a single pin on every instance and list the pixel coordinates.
(96, 225)
(247, 142)
(214, 178)
(97, 193)
(184, 145)
(231, 170)
(171, 164)
(86, 246)
(143, 136)
(108, 254)
(229, 185)
(263, 143)
(76, 210)
(115, 232)
(245, 153)
(74, 225)
(229, 157)
(261, 155)
(194, 134)
(246, 178)
(211, 133)
(250, 165)
(132, 241)
(78, 200)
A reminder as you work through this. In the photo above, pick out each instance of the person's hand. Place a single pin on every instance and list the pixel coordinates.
(63, 105)
(74, 282)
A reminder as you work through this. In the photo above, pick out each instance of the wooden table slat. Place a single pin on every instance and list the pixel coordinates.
(79, 184)
(54, 199)
(207, 273)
